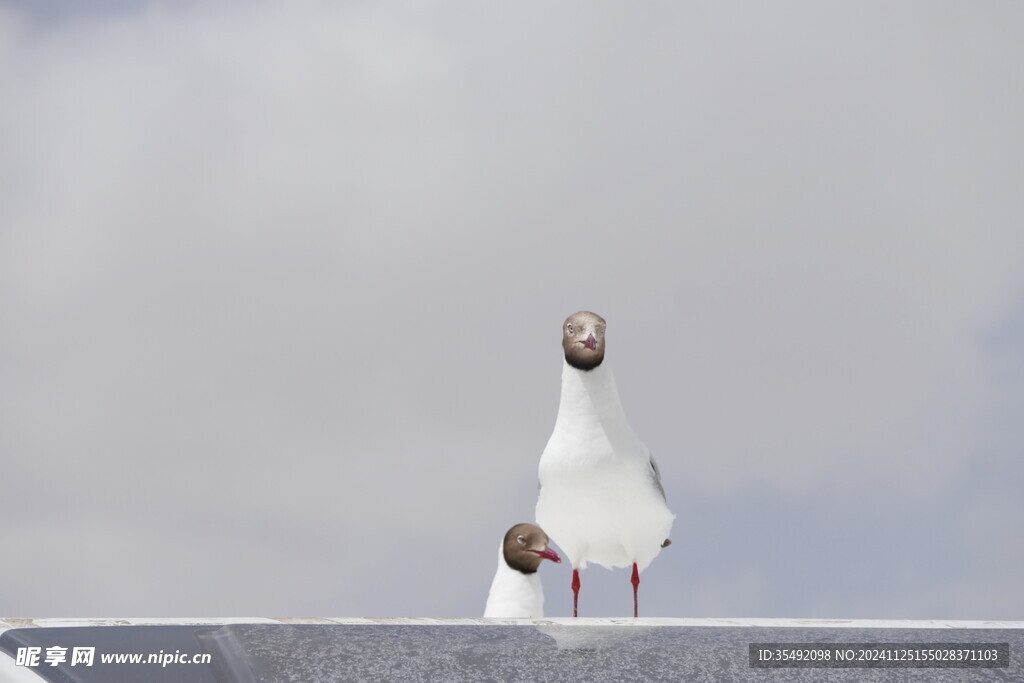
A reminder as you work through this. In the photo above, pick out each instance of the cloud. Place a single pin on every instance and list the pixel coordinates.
(280, 286)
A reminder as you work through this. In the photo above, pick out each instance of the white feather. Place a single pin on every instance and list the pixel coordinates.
(600, 498)
(514, 595)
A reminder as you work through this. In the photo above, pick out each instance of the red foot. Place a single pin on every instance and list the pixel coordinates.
(636, 584)
(575, 591)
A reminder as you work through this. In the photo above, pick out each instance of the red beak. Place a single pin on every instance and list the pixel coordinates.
(548, 554)
(590, 343)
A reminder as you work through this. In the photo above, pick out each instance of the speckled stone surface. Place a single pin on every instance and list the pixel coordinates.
(565, 652)
(553, 650)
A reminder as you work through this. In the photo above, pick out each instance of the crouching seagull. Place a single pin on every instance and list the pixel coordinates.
(600, 490)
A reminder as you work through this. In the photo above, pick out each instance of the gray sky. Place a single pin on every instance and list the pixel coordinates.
(281, 287)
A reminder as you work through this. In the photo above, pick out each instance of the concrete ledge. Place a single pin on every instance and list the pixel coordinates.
(428, 649)
(703, 622)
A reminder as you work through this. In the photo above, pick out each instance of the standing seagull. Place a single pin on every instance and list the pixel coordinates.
(516, 591)
(600, 490)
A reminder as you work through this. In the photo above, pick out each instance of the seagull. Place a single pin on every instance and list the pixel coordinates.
(516, 591)
(600, 490)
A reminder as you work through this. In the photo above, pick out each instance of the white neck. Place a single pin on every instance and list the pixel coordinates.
(590, 403)
(514, 595)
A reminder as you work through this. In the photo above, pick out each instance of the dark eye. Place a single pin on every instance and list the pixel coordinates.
(568, 328)
(521, 539)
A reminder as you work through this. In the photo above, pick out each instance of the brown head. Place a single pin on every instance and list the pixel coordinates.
(583, 340)
(525, 546)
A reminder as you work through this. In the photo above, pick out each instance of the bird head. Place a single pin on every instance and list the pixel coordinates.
(583, 340)
(525, 546)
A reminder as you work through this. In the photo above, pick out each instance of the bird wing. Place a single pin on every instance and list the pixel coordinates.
(656, 477)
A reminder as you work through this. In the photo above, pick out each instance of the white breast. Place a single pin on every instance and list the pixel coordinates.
(514, 595)
(599, 499)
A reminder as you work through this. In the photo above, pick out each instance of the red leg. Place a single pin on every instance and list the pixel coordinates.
(575, 591)
(636, 584)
